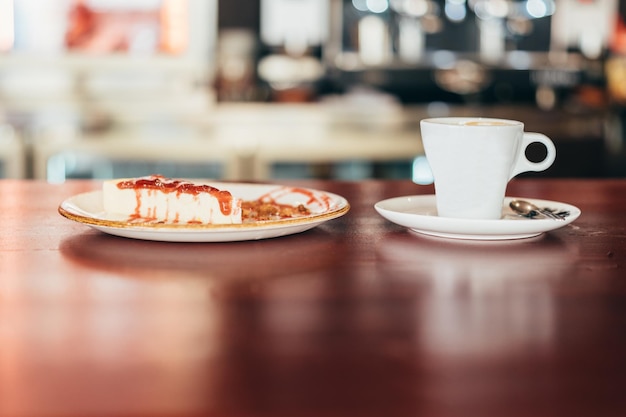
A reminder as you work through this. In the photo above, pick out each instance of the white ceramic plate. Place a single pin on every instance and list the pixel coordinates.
(419, 213)
(87, 208)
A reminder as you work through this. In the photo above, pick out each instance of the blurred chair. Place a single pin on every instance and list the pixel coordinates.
(60, 149)
(312, 134)
(12, 155)
(341, 149)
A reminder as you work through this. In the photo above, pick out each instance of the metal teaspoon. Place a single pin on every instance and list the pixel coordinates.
(528, 209)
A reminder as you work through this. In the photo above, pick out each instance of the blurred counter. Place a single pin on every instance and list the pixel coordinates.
(247, 139)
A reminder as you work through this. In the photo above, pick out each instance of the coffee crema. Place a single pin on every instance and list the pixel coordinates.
(486, 123)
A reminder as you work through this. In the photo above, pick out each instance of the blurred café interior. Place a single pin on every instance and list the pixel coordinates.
(266, 89)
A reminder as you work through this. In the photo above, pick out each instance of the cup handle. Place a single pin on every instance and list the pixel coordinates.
(524, 165)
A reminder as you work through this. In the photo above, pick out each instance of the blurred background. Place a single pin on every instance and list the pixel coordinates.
(269, 89)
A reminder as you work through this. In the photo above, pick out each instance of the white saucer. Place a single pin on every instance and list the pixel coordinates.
(419, 213)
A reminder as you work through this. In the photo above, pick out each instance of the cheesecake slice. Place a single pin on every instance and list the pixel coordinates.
(164, 200)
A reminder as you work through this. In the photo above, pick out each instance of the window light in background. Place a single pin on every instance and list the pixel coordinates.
(174, 28)
(7, 35)
(294, 24)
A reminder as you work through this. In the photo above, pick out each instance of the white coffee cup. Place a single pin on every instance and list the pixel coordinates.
(472, 159)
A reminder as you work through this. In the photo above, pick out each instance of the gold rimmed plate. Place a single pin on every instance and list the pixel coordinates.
(87, 208)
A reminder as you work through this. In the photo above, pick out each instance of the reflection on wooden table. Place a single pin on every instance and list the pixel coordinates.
(357, 317)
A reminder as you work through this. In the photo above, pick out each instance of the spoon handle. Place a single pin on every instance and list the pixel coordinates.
(550, 214)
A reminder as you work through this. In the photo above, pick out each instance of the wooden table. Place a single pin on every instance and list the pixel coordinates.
(357, 317)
